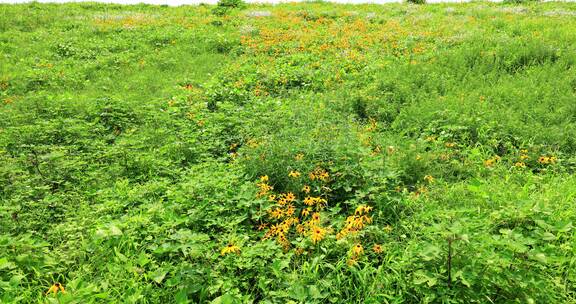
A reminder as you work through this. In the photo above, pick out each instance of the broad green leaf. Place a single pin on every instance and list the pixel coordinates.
(159, 275)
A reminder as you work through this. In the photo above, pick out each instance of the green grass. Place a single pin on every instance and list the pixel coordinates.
(133, 140)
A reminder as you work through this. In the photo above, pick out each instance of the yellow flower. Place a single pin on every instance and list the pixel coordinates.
(323, 175)
(264, 189)
(316, 217)
(377, 248)
(306, 189)
(294, 174)
(317, 234)
(276, 213)
(357, 249)
(305, 212)
(429, 178)
(350, 220)
(299, 156)
(523, 157)
(289, 210)
(262, 226)
(489, 162)
(543, 159)
(357, 223)
(252, 143)
(311, 201)
(351, 262)
(264, 178)
(342, 234)
(271, 197)
(283, 241)
(285, 227)
(299, 250)
(367, 219)
(291, 221)
(290, 196)
(300, 229)
(231, 248)
(450, 145)
(373, 125)
(524, 151)
(376, 150)
(520, 165)
(362, 209)
(57, 287)
(321, 202)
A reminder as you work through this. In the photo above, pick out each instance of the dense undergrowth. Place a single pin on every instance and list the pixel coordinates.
(297, 153)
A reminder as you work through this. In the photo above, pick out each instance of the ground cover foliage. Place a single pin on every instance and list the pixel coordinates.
(296, 153)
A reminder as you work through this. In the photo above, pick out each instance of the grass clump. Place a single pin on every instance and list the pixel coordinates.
(224, 7)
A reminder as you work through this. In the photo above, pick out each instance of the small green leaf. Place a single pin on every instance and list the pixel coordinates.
(159, 275)
(314, 292)
(5, 264)
(181, 297)
(540, 257)
(547, 236)
(224, 299)
(422, 278)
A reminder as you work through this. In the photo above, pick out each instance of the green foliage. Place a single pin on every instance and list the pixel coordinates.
(519, 1)
(224, 7)
(435, 145)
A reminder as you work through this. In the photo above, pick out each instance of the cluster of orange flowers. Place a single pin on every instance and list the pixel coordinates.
(356, 222)
(264, 186)
(292, 214)
(523, 157)
(230, 248)
(280, 231)
(358, 250)
(55, 289)
(355, 252)
(546, 160)
(287, 211)
(321, 35)
(319, 174)
(492, 161)
(522, 160)
(315, 201)
(373, 125)
(294, 174)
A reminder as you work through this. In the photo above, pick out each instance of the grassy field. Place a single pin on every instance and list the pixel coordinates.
(297, 153)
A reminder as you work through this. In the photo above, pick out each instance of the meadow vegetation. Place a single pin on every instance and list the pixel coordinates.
(295, 153)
